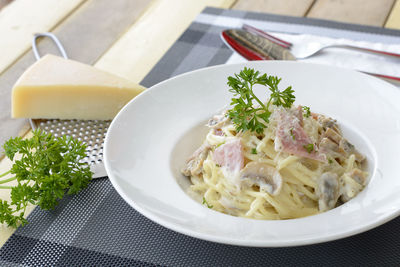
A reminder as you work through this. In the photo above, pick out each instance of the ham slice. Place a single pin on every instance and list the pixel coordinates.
(291, 137)
(230, 155)
(298, 113)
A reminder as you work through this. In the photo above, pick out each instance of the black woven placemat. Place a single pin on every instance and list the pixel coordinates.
(97, 228)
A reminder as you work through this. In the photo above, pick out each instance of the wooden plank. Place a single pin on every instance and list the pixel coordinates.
(283, 7)
(393, 20)
(366, 12)
(143, 45)
(86, 35)
(21, 19)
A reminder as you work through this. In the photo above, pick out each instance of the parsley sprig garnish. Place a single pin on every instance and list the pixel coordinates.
(249, 112)
(47, 168)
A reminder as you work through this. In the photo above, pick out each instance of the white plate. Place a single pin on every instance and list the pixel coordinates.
(149, 140)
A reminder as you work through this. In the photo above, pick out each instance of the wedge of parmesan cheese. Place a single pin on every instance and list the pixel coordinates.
(58, 88)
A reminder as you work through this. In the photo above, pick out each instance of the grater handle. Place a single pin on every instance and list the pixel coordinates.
(53, 38)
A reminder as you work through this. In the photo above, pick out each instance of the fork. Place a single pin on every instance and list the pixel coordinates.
(308, 50)
(255, 44)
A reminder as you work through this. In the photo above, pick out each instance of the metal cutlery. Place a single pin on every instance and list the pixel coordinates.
(254, 44)
(306, 50)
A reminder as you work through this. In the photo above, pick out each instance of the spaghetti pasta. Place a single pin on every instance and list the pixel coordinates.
(273, 175)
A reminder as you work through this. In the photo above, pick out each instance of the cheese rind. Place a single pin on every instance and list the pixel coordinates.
(58, 88)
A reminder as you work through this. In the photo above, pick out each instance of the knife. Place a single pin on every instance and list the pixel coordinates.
(254, 47)
(249, 43)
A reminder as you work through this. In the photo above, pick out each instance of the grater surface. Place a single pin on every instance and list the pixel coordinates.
(90, 132)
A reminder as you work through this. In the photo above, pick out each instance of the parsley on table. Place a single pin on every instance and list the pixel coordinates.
(244, 114)
(47, 168)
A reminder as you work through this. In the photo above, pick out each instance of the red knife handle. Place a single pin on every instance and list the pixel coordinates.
(243, 51)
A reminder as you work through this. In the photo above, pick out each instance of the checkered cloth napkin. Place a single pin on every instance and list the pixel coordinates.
(97, 228)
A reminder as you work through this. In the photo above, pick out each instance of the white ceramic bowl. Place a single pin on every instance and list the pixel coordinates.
(149, 140)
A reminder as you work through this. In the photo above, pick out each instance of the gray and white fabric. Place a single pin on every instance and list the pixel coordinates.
(97, 228)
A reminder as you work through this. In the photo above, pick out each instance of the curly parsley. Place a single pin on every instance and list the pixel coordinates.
(307, 111)
(47, 169)
(244, 114)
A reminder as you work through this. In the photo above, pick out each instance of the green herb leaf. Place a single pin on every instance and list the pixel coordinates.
(48, 168)
(292, 134)
(206, 203)
(254, 151)
(244, 114)
(307, 111)
(309, 148)
(220, 144)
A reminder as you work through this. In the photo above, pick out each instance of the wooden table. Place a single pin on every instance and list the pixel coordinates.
(128, 37)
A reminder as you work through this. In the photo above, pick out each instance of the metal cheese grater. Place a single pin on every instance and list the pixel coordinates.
(91, 132)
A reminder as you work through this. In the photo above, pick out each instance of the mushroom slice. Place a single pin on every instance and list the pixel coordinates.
(194, 164)
(359, 176)
(327, 123)
(348, 148)
(262, 175)
(328, 191)
(352, 183)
